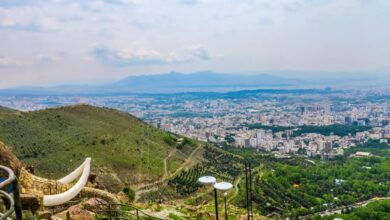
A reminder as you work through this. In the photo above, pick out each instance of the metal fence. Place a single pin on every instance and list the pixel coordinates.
(112, 211)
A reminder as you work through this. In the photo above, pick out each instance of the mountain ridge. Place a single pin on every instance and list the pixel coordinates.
(210, 81)
(163, 83)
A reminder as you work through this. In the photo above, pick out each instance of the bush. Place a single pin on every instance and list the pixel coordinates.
(130, 193)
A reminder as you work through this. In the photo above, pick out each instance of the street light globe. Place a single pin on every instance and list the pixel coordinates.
(223, 186)
(207, 180)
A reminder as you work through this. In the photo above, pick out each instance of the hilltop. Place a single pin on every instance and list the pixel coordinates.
(125, 150)
(7, 112)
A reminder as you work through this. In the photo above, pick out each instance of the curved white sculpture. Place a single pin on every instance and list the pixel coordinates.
(58, 199)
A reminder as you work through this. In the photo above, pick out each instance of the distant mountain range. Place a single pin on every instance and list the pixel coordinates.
(206, 81)
(164, 83)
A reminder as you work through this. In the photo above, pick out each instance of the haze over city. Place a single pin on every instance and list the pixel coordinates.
(45, 43)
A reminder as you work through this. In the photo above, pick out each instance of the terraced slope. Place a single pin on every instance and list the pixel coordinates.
(125, 151)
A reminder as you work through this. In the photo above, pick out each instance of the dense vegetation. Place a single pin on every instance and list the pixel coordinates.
(295, 187)
(340, 130)
(215, 162)
(374, 211)
(372, 146)
(326, 130)
(124, 150)
(187, 181)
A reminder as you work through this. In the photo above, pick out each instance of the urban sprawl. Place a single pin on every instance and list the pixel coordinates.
(317, 125)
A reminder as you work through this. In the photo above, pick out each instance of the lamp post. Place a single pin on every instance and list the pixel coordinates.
(224, 186)
(209, 180)
(226, 212)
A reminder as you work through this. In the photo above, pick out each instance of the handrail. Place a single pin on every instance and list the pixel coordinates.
(11, 209)
(11, 178)
(138, 211)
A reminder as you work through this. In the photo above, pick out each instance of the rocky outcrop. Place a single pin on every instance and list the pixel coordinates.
(77, 212)
(94, 204)
(8, 158)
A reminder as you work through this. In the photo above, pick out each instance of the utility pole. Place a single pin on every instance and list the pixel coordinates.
(247, 189)
(250, 191)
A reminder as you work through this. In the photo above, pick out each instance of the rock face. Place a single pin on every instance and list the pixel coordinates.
(7, 158)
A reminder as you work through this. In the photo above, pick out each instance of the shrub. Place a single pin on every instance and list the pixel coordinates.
(130, 193)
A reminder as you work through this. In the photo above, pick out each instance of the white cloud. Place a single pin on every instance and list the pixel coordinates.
(143, 56)
(254, 35)
(189, 2)
(46, 58)
(8, 62)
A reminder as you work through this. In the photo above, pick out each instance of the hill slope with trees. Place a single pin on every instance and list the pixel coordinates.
(125, 151)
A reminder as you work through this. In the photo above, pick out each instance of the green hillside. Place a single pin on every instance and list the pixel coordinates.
(6, 112)
(124, 150)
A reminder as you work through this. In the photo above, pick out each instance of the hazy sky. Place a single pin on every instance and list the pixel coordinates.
(64, 41)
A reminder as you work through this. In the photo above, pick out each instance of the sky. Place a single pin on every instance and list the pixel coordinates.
(49, 42)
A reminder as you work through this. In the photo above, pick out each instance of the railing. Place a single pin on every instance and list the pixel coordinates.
(120, 211)
(13, 206)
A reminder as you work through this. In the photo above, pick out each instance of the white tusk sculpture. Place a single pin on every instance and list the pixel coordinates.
(58, 199)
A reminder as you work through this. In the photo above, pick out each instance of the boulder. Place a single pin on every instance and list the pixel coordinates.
(76, 212)
(94, 204)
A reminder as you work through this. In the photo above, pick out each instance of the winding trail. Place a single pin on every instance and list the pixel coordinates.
(166, 163)
(236, 190)
(190, 161)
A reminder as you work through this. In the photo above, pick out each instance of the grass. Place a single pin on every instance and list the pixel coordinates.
(124, 150)
(6, 112)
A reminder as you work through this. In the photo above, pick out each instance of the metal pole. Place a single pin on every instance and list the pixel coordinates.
(226, 213)
(250, 191)
(18, 205)
(216, 204)
(109, 210)
(136, 211)
(246, 189)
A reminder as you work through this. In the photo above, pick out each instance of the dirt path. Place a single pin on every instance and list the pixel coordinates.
(190, 161)
(166, 163)
(236, 190)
